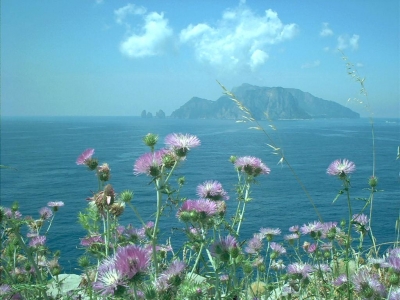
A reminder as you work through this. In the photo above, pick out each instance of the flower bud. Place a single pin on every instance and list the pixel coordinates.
(150, 140)
(373, 181)
(126, 196)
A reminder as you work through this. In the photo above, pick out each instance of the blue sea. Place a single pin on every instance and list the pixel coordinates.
(44, 150)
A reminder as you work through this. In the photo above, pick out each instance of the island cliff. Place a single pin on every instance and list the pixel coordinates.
(274, 102)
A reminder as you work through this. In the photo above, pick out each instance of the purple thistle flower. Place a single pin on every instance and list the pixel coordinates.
(89, 241)
(171, 276)
(312, 248)
(181, 143)
(85, 156)
(109, 278)
(37, 241)
(55, 204)
(251, 165)
(254, 245)
(150, 163)
(395, 294)
(212, 190)
(202, 206)
(45, 213)
(224, 246)
(269, 233)
(10, 214)
(294, 228)
(277, 248)
(342, 279)
(314, 227)
(299, 270)
(291, 237)
(368, 284)
(360, 222)
(341, 168)
(4, 289)
(132, 259)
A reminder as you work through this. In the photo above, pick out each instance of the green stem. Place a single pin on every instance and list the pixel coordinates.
(243, 208)
(346, 183)
(154, 235)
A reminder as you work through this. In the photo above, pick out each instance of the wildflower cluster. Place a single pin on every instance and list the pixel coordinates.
(315, 260)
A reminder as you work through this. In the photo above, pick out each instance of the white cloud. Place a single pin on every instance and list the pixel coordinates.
(154, 35)
(240, 38)
(325, 31)
(344, 41)
(129, 9)
(257, 58)
(309, 65)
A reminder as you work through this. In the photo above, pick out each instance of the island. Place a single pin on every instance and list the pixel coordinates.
(264, 103)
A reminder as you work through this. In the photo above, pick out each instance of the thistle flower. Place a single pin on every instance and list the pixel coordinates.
(103, 172)
(341, 168)
(150, 163)
(395, 294)
(131, 260)
(291, 237)
(254, 245)
(85, 156)
(277, 249)
(340, 280)
(269, 233)
(360, 222)
(109, 278)
(45, 213)
(299, 270)
(12, 214)
(181, 143)
(89, 241)
(86, 159)
(315, 229)
(37, 241)
(55, 204)
(251, 165)
(367, 284)
(225, 247)
(197, 210)
(172, 276)
(212, 190)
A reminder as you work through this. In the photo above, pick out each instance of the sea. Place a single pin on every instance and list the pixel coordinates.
(41, 153)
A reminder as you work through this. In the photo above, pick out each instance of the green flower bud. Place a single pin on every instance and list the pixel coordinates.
(83, 261)
(373, 181)
(150, 140)
(126, 196)
(247, 268)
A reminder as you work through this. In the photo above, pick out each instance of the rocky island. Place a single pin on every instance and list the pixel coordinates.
(276, 102)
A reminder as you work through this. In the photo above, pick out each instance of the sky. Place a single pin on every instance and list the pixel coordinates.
(118, 58)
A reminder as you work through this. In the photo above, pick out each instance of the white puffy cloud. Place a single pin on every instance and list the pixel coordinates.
(239, 38)
(344, 41)
(129, 9)
(325, 31)
(258, 57)
(153, 37)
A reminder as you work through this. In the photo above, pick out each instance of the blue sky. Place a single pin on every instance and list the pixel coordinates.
(117, 58)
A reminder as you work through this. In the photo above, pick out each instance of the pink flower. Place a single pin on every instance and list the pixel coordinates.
(212, 190)
(181, 143)
(85, 156)
(150, 163)
(55, 204)
(341, 168)
(251, 165)
(37, 241)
